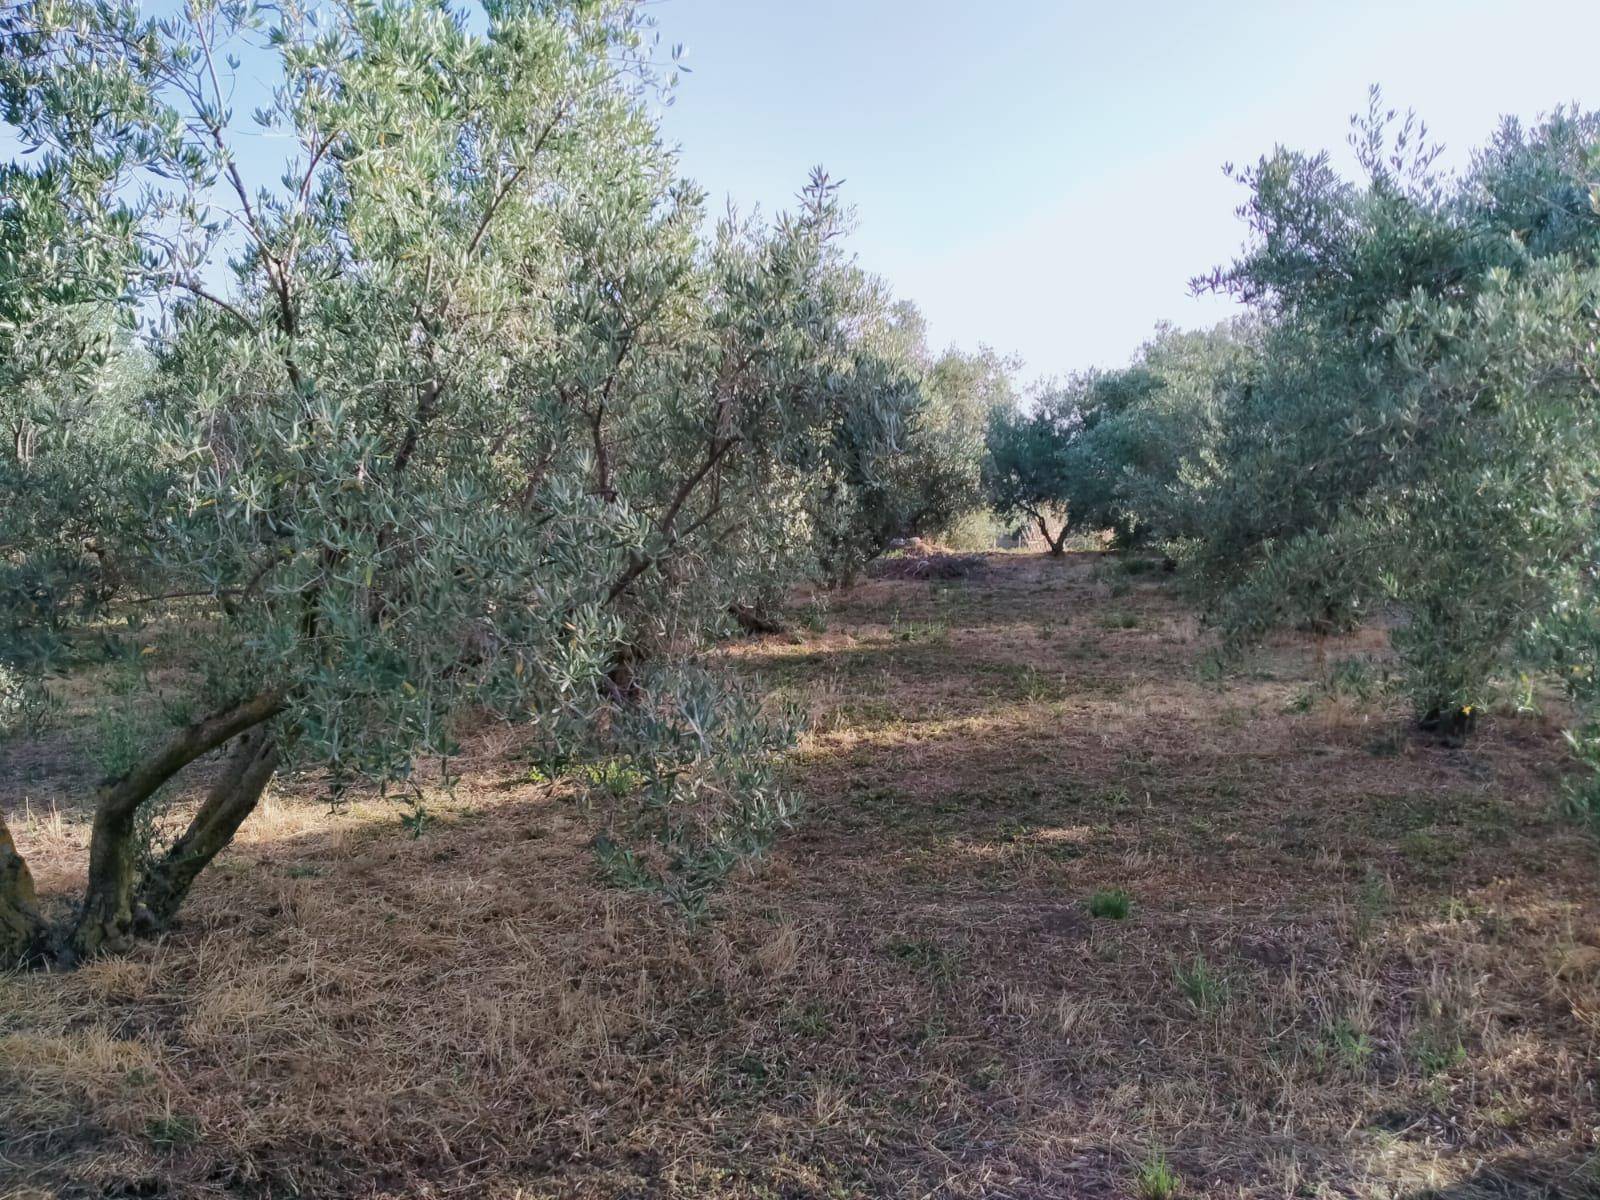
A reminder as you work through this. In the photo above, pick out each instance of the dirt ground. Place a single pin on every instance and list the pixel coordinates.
(1352, 963)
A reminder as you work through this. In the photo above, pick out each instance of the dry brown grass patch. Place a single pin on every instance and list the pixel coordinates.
(1353, 966)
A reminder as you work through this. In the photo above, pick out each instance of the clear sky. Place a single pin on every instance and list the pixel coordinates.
(1045, 175)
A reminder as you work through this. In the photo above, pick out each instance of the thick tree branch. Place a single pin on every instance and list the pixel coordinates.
(643, 562)
(106, 920)
(232, 798)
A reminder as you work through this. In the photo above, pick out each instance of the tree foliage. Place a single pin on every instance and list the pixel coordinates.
(918, 474)
(1405, 422)
(464, 418)
(1124, 450)
(1028, 461)
(1421, 430)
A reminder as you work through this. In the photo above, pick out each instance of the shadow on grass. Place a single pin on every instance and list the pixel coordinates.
(911, 998)
(1571, 1174)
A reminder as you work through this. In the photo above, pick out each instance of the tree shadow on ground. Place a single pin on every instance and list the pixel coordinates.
(1555, 1175)
(910, 997)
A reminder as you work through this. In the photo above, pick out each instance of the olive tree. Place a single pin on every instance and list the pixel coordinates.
(1406, 420)
(461, 419)
(914, 469)
(940, 475)
(1419, 431)
(1027, 462)
(1099, 452)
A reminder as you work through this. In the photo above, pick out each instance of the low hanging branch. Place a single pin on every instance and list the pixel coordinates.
(665, 526)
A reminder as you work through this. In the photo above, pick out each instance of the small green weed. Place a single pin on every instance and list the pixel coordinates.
(1372, 902)
(1353, 677)
(811, 1020)
(925, 955)
(1349, 1044)
(1157, 1180)
(614, 777)
(918, 631)
(1035, 686)
(1201, 984)
(27, 706)
(1427, 848)
(814, 617)
(416, 820)
(1214, 666)
(1112, 903)
(1436, 1049)
(172, 1131)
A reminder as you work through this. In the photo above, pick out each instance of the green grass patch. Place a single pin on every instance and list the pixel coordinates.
(926, 956)
(1203, 986)
(1157, 1180)
(1114, 904)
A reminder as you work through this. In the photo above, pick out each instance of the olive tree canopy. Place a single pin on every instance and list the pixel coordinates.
(464, 417)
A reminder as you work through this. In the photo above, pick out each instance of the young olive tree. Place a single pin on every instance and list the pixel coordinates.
(1028, 462)
(460, 419)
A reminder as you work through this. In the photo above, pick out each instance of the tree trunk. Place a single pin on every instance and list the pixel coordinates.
(752, 620)
(23, 933)
(232, 798)
(1057, 544)
(106, 920)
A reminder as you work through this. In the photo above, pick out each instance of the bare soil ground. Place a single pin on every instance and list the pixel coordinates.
(1354, 964)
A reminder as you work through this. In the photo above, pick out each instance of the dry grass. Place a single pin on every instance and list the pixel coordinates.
(1354, 965)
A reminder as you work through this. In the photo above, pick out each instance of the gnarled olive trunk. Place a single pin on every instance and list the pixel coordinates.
(1058, 543)
(24, 935)
(232, 798)
(106, 921)
(111, 914)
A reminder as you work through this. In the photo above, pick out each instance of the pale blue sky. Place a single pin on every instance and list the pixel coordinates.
(1045, 175)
